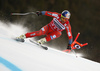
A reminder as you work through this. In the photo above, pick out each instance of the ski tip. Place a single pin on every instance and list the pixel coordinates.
(46, 48)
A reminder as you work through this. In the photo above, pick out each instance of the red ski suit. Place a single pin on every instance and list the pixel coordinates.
(53, 29)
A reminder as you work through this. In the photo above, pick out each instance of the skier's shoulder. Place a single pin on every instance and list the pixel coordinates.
(67, 22)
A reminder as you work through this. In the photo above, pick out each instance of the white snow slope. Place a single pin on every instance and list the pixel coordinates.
(16, 56)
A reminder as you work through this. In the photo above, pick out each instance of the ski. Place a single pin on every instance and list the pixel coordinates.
(19, 40)
(44, 47)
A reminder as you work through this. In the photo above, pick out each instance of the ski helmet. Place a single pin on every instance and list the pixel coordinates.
(65, 14)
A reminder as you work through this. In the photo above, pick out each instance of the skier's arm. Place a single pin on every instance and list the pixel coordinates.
(69, 34)
(47, 13)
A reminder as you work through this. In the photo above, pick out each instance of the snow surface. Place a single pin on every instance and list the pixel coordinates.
(30, 57)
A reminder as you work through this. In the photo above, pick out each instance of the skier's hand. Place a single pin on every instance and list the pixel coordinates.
(69, 47)
(38, 13)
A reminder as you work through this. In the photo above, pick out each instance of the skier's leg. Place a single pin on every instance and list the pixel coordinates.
(42, 31)
(43, 40)
(33, 34)
(53, 35)
(50, 36)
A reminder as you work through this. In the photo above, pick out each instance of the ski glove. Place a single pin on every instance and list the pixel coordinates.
(69, 47)
(38, 13)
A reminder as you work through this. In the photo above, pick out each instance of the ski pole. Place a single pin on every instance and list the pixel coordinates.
(74, 52)
(23, 13)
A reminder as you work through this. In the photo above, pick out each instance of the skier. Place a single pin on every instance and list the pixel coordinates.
(53, 30)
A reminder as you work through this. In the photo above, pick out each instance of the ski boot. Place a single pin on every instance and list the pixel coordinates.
(41, 41)
(21, 38)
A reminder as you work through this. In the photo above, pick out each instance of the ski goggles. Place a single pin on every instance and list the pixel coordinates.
(64, 18)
